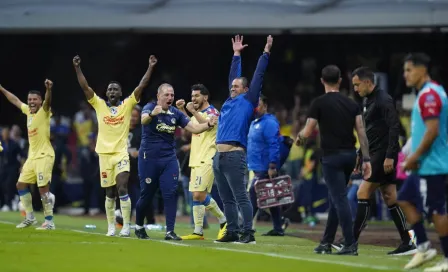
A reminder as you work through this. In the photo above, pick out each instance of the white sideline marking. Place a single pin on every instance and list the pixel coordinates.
(274, 255)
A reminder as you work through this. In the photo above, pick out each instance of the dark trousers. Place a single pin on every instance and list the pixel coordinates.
(229, 169)
(8, 180)
(154, 174)
(337, 169)
(275, 211)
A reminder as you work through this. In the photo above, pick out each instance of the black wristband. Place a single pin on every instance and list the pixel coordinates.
(366, 160)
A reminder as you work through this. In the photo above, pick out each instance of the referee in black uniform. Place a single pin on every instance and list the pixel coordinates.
(337, 116)
(382, 129)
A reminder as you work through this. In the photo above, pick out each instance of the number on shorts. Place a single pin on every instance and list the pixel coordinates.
(40, 176)
(198, 181)
(122, 164)
(424, 193)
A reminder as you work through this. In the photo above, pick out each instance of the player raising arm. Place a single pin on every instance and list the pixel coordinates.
(157, 161)
(39, 164)
(113, 129)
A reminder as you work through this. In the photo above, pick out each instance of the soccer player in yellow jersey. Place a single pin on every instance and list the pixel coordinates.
(112, 144)
(203, 148)
(39, 165)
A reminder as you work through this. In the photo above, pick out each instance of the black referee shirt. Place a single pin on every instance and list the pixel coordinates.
(336, 115)
(382, 123)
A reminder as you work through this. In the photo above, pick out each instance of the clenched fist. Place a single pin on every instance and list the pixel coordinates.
(152, 60)
(190, 107)
(156, 111)
(48, 84)
(180, 104)
(76, 61)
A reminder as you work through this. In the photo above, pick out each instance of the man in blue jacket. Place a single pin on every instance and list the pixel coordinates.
(229, 163)
(266, 152)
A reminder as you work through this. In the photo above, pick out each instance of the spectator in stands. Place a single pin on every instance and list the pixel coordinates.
(309, 178)
(90, 174)
(62, 159)
(16, 135)
(11, 159)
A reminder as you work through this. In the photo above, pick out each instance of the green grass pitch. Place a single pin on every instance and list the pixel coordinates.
(71, 247)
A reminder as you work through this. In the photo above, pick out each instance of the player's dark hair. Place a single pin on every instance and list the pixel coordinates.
(244, 81)
(418, 59)
(364, 73)
(201, 88)
(35, 92)
(331, 74)
(114, 82)
(264, 99)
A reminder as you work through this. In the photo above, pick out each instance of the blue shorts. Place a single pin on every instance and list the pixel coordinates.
(427, 193)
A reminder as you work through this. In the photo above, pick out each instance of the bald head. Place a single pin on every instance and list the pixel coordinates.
(163, 87)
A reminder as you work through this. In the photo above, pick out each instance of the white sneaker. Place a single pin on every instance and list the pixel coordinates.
(421, 258)
(26, 223)
(125, 232)
(5, 208)
(440, 267)
(47, 225)
(111, 230)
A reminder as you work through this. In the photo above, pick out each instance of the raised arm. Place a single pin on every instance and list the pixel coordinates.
(11, 98)
(257, 80)
(196, 114)
(180, 105)
(47, 102)
(235, 67)
(145, 80)
(81, 79)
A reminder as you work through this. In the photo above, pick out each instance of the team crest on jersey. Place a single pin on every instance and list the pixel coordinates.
(173, 121)
(257, 126)
(148, 180)
(30, 120)
(113, 110)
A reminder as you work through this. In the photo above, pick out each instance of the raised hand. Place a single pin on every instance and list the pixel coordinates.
(156, 111)
(48, 84)
(237, 44)
(76, 61)
(190, 107)
(180, 104)
(152, 60)
(268, 46)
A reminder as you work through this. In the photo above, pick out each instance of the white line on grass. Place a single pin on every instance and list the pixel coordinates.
(274, 255)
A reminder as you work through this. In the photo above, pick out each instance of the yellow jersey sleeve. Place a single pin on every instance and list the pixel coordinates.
(94, 101)
(25, 109)
(130, 101)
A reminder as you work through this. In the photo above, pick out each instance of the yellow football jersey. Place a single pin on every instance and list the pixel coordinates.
(38, 125)
(113, 124)
(203, 145)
